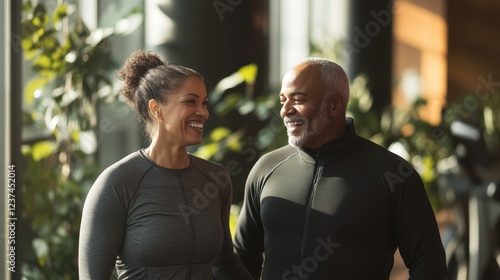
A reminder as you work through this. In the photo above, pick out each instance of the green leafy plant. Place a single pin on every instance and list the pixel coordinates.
(260, 113)
(72, 68)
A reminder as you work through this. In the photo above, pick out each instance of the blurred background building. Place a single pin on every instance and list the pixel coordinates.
(434, 49)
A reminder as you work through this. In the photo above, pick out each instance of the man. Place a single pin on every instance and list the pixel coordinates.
(333, 205)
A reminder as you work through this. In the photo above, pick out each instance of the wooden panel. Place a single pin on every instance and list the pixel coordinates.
(474, 45)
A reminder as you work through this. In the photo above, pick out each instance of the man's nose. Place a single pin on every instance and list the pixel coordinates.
(287, 109)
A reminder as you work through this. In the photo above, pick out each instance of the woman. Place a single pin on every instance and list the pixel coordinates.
(160, 212)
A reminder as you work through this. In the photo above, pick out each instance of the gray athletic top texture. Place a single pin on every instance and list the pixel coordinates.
(152, 222)
(337, 212)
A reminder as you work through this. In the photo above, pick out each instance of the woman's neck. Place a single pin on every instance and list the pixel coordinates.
(168, 157)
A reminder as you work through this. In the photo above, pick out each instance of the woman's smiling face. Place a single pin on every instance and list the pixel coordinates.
(184, 113)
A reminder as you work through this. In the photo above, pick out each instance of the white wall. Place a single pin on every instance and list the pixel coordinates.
(294, 24)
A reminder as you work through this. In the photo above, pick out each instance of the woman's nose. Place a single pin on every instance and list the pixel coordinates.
(203, 112)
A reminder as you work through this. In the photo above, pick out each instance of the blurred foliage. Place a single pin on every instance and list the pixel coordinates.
(54, 209)
(261, 110)
(481, 110)
(72, 68)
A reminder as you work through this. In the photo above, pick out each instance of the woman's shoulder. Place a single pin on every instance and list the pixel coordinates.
(125, 171)
(132, 161)
(118, 182)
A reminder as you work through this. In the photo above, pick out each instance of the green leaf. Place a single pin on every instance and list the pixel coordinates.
(25, 150)
(245, 106)
(207, 151)
(234, 145)
(41, 247)
(227, 83)
(28, 45)
(32, 86)
(48, 43)
(98, 35)
(248, 73)
(41, 20)
(219, 133)
(60, 13)
(489, 119)
(41, 62)
(41, 150)
(129, 25)
(228, 104)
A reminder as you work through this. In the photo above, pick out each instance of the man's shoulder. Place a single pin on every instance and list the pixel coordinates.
(376, 148)
(275, 157)
(280, 153)
(381, 157)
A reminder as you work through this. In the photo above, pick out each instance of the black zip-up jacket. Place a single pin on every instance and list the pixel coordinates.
(337, 212)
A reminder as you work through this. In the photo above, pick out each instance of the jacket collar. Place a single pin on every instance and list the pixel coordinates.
(333, 149)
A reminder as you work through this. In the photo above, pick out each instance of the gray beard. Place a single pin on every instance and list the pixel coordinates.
(318, 125)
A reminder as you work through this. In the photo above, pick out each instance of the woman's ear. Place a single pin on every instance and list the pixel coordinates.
(154, 108)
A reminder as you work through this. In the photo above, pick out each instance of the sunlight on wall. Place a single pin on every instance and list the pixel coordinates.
(420, 47)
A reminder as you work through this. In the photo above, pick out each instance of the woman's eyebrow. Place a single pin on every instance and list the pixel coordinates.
(192, 94)
(195, 95)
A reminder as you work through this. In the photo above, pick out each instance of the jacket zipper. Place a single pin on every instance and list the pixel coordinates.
(312, 191)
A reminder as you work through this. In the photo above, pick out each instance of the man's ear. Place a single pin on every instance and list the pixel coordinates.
(336, 105)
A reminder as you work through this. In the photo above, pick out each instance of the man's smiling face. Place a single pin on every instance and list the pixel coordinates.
(304, 110)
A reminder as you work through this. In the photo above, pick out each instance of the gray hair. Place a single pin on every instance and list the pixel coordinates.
(334, 77)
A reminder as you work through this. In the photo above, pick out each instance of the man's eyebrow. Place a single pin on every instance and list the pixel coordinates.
(295, 93)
